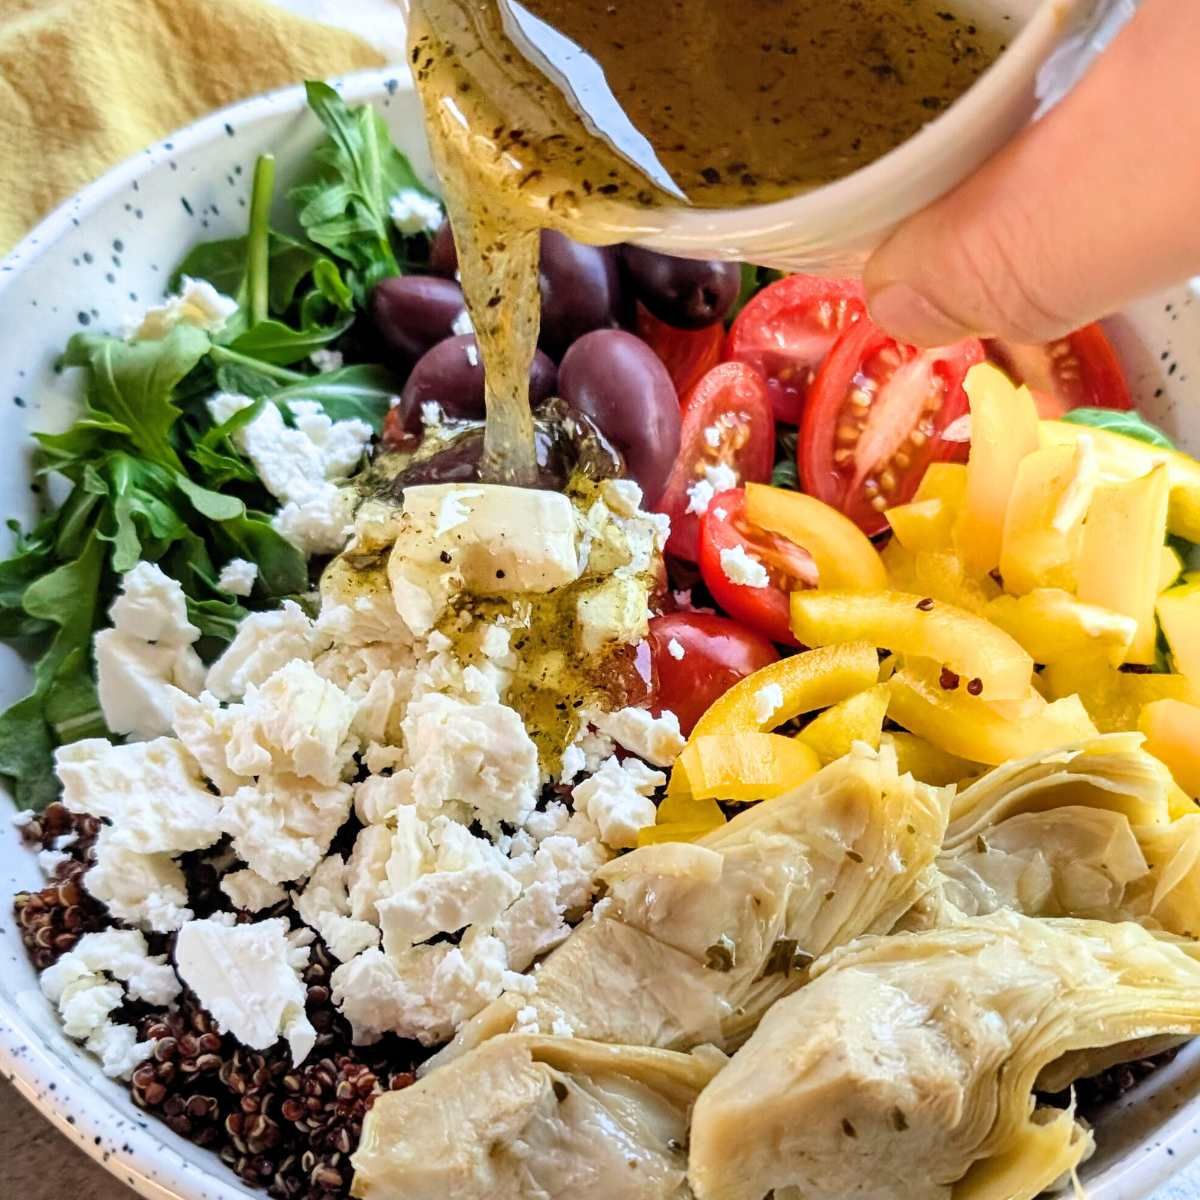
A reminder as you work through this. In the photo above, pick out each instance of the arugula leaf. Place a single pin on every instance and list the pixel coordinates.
(346, 208)
(223, 264)
(132, 383)
(282, 568)
(272, 341)
(365, 392)
(216, 618)
(214, 505)
(1130, 423)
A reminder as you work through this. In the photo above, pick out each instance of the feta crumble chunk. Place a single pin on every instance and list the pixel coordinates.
(146, 890)
(152, 607)
(675, 649)
(238, 577)
(324, 905)
(656, 739)
(617, 800)
(742, 568)
(326, 360)
(249, 891)
(768, 700)
(196, 303)
(248, 978)
(414, 211)
(135, 680)
(264, 643)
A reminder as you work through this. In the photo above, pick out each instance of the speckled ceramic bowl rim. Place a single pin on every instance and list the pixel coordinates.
(134, 1149)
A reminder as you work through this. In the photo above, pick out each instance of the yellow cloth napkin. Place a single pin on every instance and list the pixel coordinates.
(86, 83)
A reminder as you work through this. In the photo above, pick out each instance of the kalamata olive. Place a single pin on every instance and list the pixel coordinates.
(615, 379)
(414, 312)
(443, 253)
(684, 292)
(451, 374)
(580, 287)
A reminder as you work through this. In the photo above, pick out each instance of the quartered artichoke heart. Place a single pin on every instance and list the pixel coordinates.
(695, 941)
(1085, 831)
(527, 1116)
(906, 1066)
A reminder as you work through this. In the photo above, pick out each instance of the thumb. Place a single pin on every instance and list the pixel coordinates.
(1093, 206)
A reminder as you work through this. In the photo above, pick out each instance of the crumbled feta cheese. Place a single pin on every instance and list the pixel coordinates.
(526, 1020)
(721, 477)
(656, 739)
(264, 643)
(322, 524)
(283, 826)
(250, 891)
(462, 324)
(237, 577)
(675, 649)
(24, 817)
(587, 750)
(413, 211)
(700, 495)
(768, 700)
(151, 791)
(248, 978)
(425, 993)
(617, 799)
(197, 303)
(324, 906)
(135, 680)
(146, 890)
(617, 609)
(562, 1029)
(472, 352)
(152, 607)
(476, 754)
(712, 435)
(431, 414)
(326, 360)
(543, 823)
(384, 860)
(296, 722)
(50, 860)
(123, 954)
(742, 568)
(204, 728)
(341, 443)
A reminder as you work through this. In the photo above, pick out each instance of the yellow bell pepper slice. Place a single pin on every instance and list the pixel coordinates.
(969, 728)
(1043, 525)
(910, 624)
(678, 831)
(744, 767)
(928, 763)
(939, 574)
(807, 681)
(1052, 625)
(845, 556)
(1119, 563)
(923, 524)
(855, 719)
(1122, 459)
(1004, 429)
(680, 807)
(944, 481)
(1179, 615)
(1170, 568)
(1114, 699)
(1172, 731)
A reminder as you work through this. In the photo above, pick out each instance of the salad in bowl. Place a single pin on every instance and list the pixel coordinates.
(794, 792)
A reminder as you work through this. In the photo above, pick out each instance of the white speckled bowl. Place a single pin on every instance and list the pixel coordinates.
(107, 252)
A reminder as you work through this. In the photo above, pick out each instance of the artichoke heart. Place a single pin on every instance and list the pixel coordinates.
(530, 1116)
(909, 1059)
(694, 941)
(1080, 832)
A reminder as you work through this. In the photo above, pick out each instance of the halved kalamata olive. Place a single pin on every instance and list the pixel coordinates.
(443, 254)
(451, 375)
(414, 312)
(684, 292)
(615, 379)
(581, 291)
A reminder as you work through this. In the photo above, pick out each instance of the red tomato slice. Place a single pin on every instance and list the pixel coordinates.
(1079, 371)
(728, 437)
(875, 420)
(788, 566)
(787, 330)
(688, 354)
(698, 657)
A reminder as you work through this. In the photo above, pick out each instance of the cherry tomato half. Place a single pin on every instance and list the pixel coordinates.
(725, 529)
(875, 419)
(728, 437)
(787, 330)
(688, 354)
(697, 657)
(1079, 371)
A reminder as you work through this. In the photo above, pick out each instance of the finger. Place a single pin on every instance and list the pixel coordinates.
(1093, 206)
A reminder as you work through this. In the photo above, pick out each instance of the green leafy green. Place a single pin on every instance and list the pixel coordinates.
(1130, 423)
(346, 205)
(364, 392)
(272, 341)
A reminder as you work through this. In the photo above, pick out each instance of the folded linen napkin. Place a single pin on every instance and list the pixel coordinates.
(86, 83)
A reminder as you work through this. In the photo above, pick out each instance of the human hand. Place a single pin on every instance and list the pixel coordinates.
(1093, 206)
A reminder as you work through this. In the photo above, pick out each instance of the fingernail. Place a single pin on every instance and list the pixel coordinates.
(911, 317)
